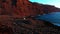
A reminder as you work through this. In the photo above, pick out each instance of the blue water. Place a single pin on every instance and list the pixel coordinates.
(53, 17)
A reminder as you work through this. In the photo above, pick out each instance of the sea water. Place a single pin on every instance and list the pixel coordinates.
(53, 17)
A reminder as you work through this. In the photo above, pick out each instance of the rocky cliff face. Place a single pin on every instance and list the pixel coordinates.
(24, 8)
(16, 17)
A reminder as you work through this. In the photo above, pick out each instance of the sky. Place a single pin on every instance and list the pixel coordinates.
(55, 3)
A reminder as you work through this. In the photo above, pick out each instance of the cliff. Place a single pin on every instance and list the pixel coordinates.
(24, 8)
(16, 17)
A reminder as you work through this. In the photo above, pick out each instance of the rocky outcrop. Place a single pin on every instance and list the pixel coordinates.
(24, 8)
(16, 17)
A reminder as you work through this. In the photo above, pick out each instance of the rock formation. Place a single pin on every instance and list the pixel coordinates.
(16, 17)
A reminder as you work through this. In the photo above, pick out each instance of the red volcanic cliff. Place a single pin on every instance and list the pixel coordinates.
(24, 8)
(15, 17)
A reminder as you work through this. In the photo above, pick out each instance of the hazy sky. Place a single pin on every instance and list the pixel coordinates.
(50, 2)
